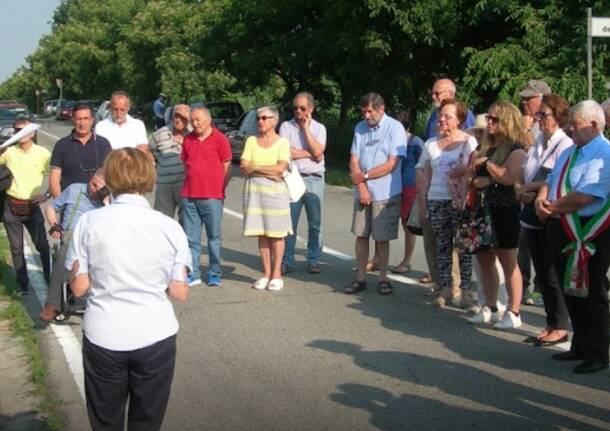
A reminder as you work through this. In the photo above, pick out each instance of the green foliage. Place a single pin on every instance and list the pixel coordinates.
(265, 51)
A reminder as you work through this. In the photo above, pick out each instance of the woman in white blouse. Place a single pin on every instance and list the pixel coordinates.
(132, 260)
(441, 189)
(552, 116)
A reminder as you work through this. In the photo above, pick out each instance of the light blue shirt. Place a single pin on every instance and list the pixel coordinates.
(373, 146)
(590, 174)
(295, 135)
(131, 253)
(159, 109)
(65, 202)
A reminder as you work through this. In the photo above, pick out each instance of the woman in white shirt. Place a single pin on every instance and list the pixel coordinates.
(131, 259)
(442, 190)
(552, 116)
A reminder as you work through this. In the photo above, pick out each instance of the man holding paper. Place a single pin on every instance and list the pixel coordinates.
(28, 163)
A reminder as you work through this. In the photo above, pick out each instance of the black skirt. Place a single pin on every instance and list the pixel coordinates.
(506, 226)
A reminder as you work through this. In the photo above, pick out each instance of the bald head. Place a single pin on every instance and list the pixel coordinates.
(441, 90)
(201, 120)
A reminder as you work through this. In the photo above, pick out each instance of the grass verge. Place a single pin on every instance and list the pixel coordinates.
(22, 328)
(337, 177)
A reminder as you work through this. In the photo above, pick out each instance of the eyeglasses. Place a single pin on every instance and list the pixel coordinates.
(300, 108)
(491, 119)
(17, 129)
(87, 170)
(262, 117)
(438, 93)
(446, 117)
(541, 115)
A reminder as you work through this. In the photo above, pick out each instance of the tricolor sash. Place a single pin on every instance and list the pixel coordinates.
(580, 248)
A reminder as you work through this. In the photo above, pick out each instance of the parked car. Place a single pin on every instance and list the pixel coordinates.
(64, 109)
(50, 107)
(245, 126)
(102, 111)
(9, 112)
(224, 114)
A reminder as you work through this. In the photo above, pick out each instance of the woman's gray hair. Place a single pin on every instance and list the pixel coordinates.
(590, 110)
(269, 110)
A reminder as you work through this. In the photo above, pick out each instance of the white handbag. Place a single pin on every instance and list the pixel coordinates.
(294, 182)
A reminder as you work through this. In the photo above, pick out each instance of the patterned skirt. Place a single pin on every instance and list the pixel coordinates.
(266, 208)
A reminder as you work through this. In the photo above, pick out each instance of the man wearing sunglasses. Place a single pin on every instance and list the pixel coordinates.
(77, 156)
(166, 145)
(307, 140)
(29, 163)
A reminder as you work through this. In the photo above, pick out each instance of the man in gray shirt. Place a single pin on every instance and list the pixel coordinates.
(166, 145)
(307, 140)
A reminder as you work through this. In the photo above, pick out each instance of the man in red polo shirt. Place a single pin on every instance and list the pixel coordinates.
(206, 154)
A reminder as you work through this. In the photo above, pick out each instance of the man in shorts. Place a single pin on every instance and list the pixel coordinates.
(378, 147)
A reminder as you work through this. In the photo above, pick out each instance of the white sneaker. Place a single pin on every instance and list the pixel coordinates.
(483, 316)
(510, 320)
(275, 284)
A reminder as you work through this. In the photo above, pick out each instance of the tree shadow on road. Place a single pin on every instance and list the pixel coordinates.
(521, 406)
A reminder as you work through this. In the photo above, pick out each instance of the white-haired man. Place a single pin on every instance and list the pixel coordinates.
(574, 203)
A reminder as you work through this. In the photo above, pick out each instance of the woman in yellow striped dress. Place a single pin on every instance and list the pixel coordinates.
(264, 160)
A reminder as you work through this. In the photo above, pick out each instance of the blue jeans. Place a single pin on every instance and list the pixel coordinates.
(312, 200)
(207, 212)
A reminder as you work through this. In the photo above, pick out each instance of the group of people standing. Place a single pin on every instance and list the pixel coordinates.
(540, 173)
(538, 180)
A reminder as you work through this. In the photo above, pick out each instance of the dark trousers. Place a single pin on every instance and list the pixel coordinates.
(589, 315)
(59, 274)
(14, 231)
(525, 260)
(557, 316)
(144, 375)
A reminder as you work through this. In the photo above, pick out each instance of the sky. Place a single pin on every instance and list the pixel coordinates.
(23, 23)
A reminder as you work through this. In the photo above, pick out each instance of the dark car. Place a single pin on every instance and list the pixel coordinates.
(64, 109)
(245, 126)
(9, 112)
(224, 114)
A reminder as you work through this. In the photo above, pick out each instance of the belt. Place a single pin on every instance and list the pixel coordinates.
(311, 175)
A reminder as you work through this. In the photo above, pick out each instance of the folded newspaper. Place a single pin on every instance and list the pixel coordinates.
(31, 127)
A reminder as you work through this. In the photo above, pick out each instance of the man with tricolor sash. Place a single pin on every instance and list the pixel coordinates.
(574, 203)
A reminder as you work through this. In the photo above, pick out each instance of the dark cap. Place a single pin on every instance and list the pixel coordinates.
(535, 87)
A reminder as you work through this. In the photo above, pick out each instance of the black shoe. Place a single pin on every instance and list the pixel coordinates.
(545, 343)
(568, 356)
(588, 367)
(285, 269)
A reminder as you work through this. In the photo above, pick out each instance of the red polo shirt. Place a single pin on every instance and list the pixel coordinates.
(204, 165)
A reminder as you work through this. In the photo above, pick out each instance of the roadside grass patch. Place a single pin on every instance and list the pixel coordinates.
(337, 177)
(22, 328)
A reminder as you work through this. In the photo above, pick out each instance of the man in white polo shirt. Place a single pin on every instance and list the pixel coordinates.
(120, 128)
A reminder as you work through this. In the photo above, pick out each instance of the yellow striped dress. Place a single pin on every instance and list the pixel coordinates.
(266, 202)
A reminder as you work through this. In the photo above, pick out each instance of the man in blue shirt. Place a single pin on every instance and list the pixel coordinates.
(63, 215)
(441, 90)
(159, 110)
(378, 147)
(583, 201)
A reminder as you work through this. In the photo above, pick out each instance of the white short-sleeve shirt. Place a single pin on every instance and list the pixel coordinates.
(129, 134)
(131, 252)
(441, 162)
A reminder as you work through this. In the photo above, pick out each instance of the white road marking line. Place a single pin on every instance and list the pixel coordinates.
(65, 337)
(48, 134)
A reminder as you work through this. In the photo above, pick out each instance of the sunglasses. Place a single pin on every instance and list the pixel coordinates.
(17, 129)
(541, 115)
(262, 117)
(300, 108)
(491, 119)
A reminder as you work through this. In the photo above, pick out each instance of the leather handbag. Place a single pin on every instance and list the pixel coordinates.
(414, 221)
(294, 182)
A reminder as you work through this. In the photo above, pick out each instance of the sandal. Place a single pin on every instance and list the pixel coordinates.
(275, 285)
(313, 268)
(354, 287)
(403, 268)
(384, 288)
(426, 279)
(261, 283)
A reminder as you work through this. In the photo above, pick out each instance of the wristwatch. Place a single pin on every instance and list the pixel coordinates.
(366, 176)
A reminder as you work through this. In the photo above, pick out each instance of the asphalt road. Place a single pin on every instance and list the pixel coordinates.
(312, 358)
